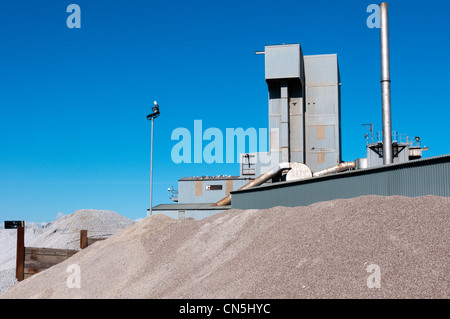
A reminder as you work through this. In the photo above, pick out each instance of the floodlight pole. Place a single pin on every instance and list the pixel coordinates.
(151, 170)
(151, 117)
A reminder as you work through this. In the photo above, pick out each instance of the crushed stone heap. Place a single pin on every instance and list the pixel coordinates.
(326, 250)
(62, 233)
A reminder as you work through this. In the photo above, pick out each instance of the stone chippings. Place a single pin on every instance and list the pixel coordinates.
(62, 233)
(320, 251)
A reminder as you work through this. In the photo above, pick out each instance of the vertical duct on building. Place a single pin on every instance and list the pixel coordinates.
(284, 125)
(386, 84)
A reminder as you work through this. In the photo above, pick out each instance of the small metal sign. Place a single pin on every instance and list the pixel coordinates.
(12, 224)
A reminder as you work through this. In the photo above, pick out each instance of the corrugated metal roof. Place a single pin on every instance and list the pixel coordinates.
(209, 178)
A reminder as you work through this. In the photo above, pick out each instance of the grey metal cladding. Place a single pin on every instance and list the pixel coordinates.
(187, 188)
(283, 61)
(423, 177)
(322, 116)
(321, 69)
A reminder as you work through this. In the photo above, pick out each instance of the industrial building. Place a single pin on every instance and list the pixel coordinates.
(304, 162)
(304, 127)
(428, 176)
(196, 195)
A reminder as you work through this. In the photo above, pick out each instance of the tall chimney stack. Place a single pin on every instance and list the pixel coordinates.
(386, 85)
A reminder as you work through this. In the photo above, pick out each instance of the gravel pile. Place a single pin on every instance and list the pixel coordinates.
(338, 249)
(63, 233)
(8, 243)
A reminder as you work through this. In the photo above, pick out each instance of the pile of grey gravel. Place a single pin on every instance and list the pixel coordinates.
(8, 243)
(366, 247)
(62, 233)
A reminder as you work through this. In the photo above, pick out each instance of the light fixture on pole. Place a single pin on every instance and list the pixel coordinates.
(151, 117)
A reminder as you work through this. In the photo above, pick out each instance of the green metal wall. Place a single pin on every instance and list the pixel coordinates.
(416, 178)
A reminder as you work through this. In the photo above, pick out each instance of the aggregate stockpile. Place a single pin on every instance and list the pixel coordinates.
(8, 243)
(321, 251)
(63, 233)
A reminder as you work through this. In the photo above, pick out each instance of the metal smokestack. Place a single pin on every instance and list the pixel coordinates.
(386, 84)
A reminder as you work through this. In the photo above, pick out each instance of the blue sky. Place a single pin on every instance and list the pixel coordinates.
(73, 128)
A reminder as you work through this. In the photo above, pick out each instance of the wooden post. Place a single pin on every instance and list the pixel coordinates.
(83, 239)
(20, 254)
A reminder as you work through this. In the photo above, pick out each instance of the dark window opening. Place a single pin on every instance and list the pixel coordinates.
(214, 187)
